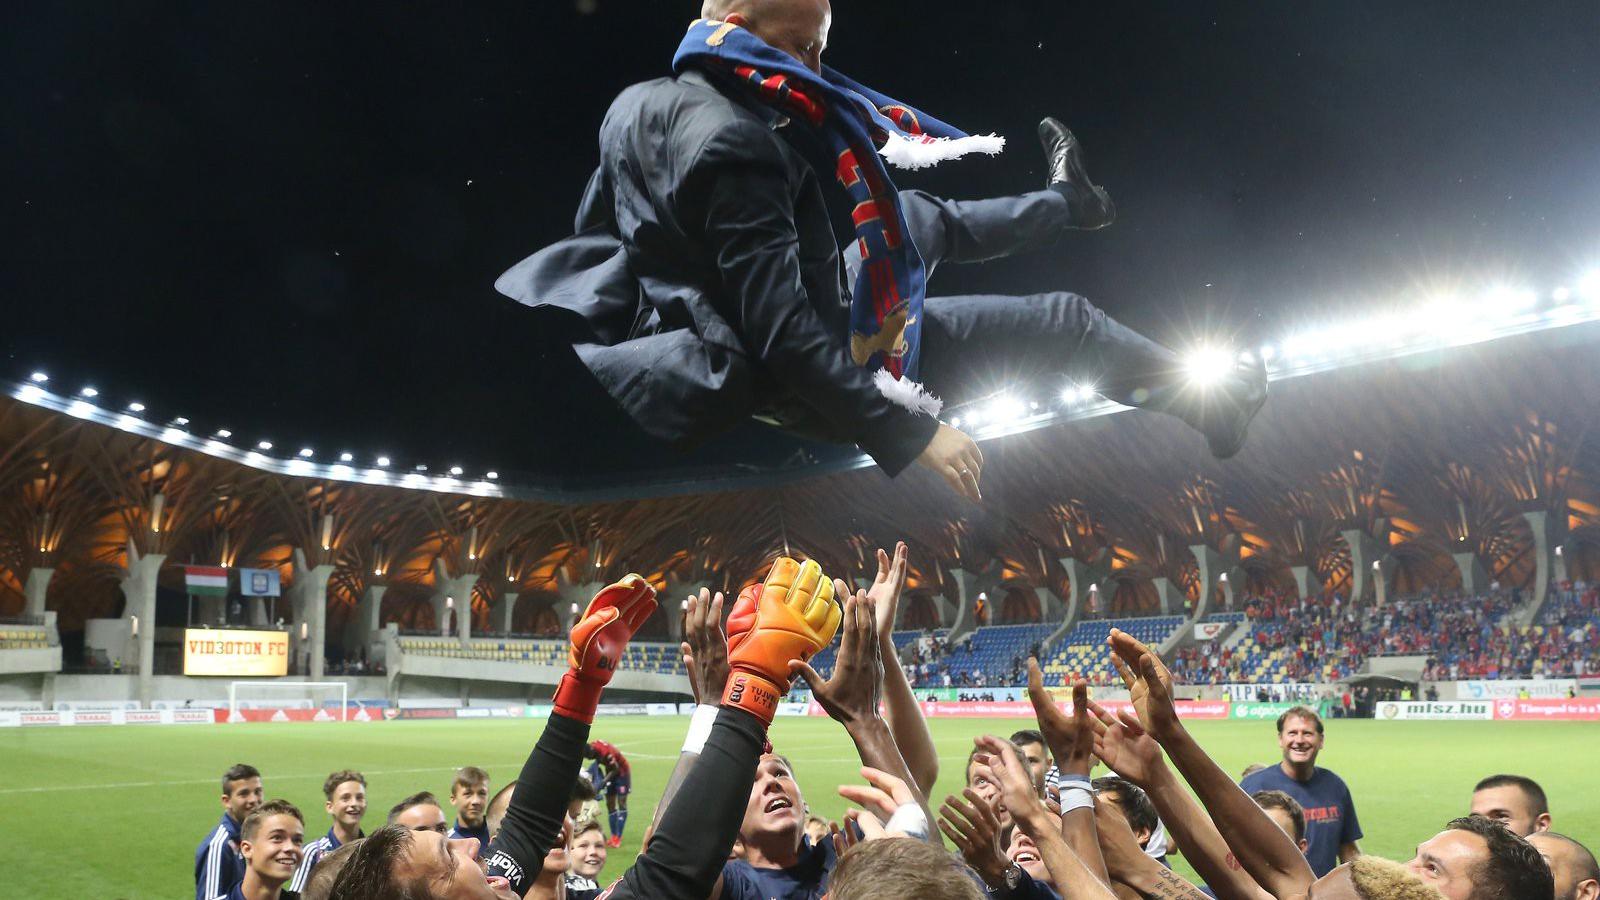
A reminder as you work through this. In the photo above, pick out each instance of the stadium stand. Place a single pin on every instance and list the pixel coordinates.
(1083, 652)
(24, 637)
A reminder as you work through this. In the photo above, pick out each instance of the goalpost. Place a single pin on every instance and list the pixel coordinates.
(244, 695)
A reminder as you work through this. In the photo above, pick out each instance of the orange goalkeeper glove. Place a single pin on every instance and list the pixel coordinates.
(598, 642)
(795, 615)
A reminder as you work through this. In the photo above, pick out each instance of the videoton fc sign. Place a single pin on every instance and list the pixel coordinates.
(239, 653)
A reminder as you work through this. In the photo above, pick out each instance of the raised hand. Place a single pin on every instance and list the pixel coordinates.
(851, 695)
(1071, 738)
(598, 642)
(795, 616)
(883, 792)
(1125, 747)
(705, 650)
(974, 828)
(1149, 684)
(1001, 764)
(886, 588)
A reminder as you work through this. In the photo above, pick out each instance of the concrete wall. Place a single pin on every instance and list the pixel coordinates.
(37, 659)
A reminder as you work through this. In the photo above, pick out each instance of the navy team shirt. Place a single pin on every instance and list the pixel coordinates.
(481, 833)
(218, 865)
(1330, 812)
(805, 880)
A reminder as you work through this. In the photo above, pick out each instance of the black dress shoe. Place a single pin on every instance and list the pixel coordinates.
(1231, 405)
(1091, 206)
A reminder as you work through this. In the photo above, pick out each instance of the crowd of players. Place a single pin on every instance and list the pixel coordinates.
(732, 824)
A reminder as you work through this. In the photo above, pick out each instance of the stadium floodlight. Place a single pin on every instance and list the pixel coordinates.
(83, 409)
(181, 422)
(574, 609)
(264, 445)
(89, 392)
(129, 422)
(136, 406)
(1207, 365)
(455, 470)
(347, 457)
(307, 453)
(422, 467)
(1561, 294)
(1267, 352)
(1589, 285)
(1006, 408)
(492, 476)
(383, 462)
(38, 378)
(224, 433)
(174, 435)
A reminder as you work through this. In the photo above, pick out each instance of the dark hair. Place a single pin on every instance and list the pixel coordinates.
(1291, 806)
(1300, 712)
(327, 869)
(1136, 805)
(469, 776)
(369, 872)
(417, 799)
(582, 789)
(247, 829)
(238, 772)
(333, 781)
(1029, 736)
(1514, 868)
(901, 867)
(1535, 794)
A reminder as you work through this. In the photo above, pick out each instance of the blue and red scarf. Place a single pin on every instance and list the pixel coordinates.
(858, 124)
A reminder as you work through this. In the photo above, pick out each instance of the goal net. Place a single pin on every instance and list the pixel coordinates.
(290, 695)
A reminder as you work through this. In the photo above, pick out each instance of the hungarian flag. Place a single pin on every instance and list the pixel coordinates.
(206, 581)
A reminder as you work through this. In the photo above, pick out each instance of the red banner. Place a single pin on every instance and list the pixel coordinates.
(1019, 709)
(1549, 709)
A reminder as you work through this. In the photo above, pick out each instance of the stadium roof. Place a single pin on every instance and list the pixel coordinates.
(1434, 453)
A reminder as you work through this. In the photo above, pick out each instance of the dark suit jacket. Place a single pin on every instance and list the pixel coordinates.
(706, 278)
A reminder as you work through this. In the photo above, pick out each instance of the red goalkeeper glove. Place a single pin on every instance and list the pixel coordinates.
(598, 642)
(795, 615)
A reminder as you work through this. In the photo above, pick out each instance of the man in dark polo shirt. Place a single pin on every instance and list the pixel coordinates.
(1331, 825)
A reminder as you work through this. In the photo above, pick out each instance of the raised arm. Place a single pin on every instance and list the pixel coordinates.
(1124, 746)
(538, 807)
(1073, 876)
(1261, 847)
(900, 709)
(1071, 741)
(705, 658)
(851, 695)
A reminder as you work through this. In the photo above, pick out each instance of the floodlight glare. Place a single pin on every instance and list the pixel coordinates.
(383, 462)
(492, 476)
(346, 457)
(89, 392)
(136, 407)
(1207, 365)
(264, 445)
(306, 453)
(955, 422)
(455, 470)
(38, 378)
(1006, 409)
(1589, 286)
(224, 433)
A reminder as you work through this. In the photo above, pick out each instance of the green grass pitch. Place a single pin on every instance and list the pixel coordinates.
(116, 812)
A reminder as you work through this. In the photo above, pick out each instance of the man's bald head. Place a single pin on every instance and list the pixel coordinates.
(1573, 867)
(796, 27)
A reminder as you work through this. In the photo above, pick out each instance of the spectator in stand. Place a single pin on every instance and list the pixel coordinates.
(1514, 801)
(1332, 828)
(1573, 867)
(218, 864)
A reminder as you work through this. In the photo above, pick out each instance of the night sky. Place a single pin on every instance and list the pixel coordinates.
(285, 218)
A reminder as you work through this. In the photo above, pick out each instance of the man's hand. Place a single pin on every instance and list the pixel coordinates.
(957, 459)
(885, 591)
(1149, 684)
(1124, 746)
(975, 830)
(1001, 764)
(795, 616)
(1071, 738)
(598, 642)
(705, 650)
(893, 803)
(851, 695)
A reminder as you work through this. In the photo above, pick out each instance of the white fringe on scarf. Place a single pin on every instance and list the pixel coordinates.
(906, 393)
(904, 153)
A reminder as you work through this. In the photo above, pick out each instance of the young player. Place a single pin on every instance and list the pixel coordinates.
(270, 841)
(618, 783)
(217, 863)
(346, 793)
(419, 812)
(469, 794)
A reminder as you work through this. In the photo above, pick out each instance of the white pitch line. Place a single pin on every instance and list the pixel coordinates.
(270, 777)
